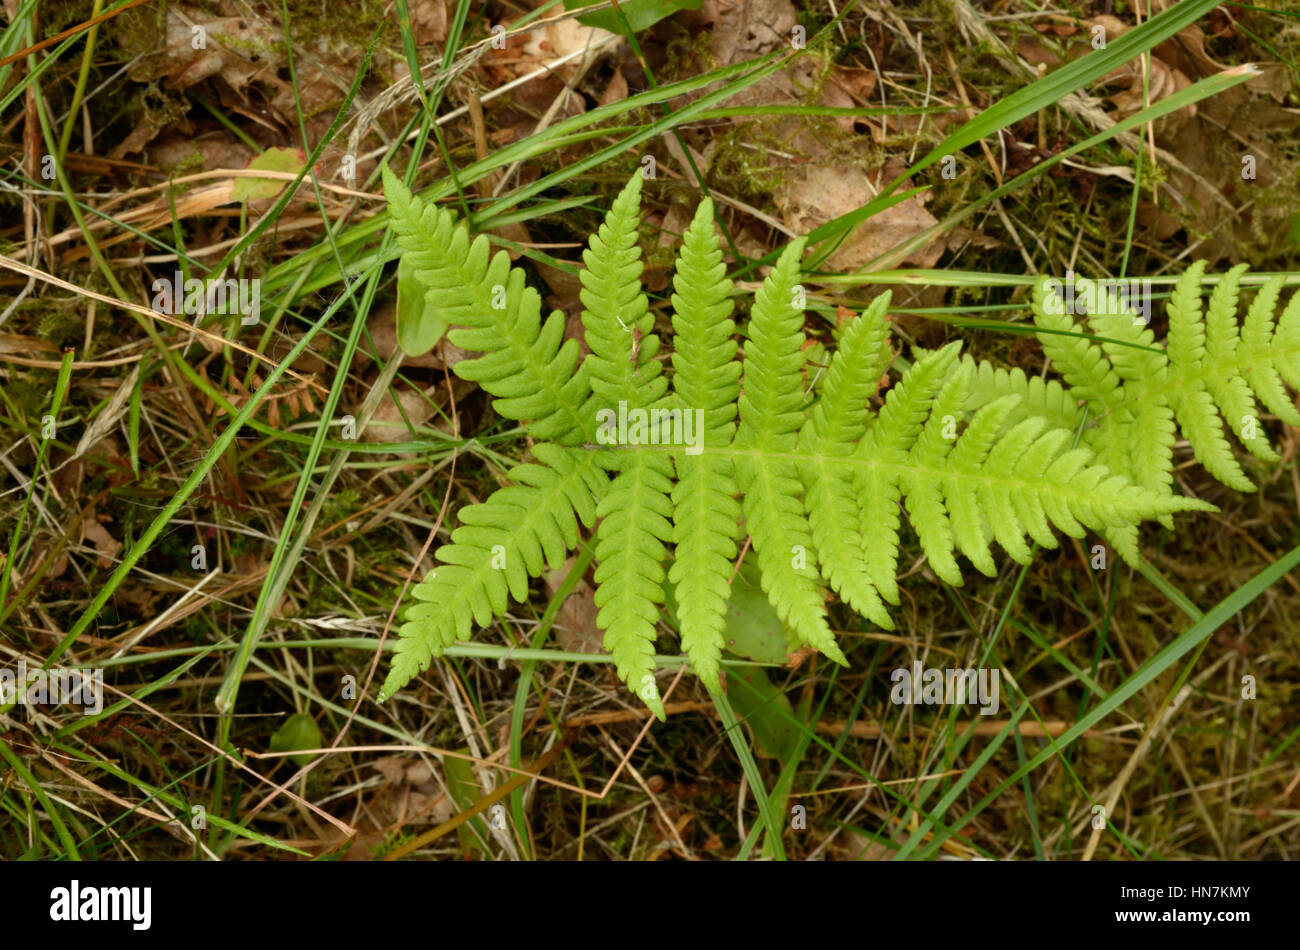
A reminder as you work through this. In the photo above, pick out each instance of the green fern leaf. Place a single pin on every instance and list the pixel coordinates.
(922, 482)
(1232, 393)
(1257, 339)
(886, 446)
(1044, 398)
(1193, 404)
(834, 427)
(615, 314)
(1090, 376)
(529, 367)
(502, 542)
(705, 381)
(634, 515)
(1211, 371)
(771, 412)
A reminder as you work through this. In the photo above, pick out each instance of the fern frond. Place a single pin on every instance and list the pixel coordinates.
(529, 367)
(1090, 376)
(993, 481)
(1210, 371)
(922, 493)
(1079, 360)
(1285, 346)
(976, 456)
(514, 535)
(1257, 336)
(771, 413)
(967, 500)
(887, 444)
(615, 314)
(706, 378)
(634, 514)
(1138, 439)
(836, 424)
(1193, 402)
(629, 581)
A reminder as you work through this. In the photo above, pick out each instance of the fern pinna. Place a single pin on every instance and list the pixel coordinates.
(819, 480)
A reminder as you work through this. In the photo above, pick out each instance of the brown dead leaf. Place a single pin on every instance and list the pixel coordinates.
(389, 424)
(565, 288)
(1163, 82)
(107, 545)
(745, 29)
(851, 845)
(1205, 192)
(545, 47)
(575, 625)
(1112, 27)
(959, 238)
(60, 567)
(549, 44)
(1185, 50)
(810, 197)
(616, 91)
(821, 168)
(136, 139)
(1274, 81)
(1223, 207)
(144, 600)
(174, 151)
(858, 84)
(674, 224)
(429, 21)
(196, 45)
(22, 345)
(383, 331)
(242, 54)
(449, 353)
(409, 791)
(1032, 51)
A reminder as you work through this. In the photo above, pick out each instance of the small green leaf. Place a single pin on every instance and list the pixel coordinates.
(272, 160)
(641, 14)
(298, 732)
(753, 629)
(419, 325)
(765, 710)
(464, 790)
